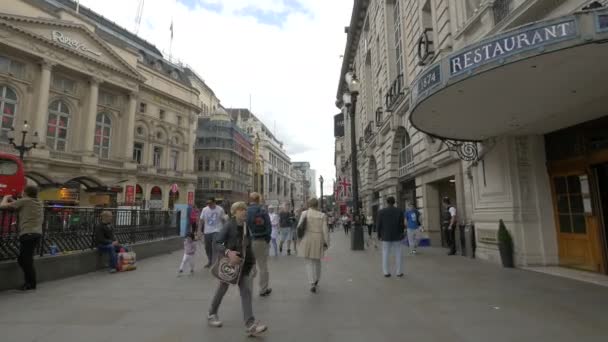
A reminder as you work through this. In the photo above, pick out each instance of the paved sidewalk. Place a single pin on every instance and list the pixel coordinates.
(440, 299)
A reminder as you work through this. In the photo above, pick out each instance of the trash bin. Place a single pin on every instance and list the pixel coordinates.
(469, 237)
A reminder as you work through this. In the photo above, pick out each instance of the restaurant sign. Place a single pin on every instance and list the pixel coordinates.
(512, 43)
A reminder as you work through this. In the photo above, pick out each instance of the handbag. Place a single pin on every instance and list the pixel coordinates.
(301, 229)
(227, 272)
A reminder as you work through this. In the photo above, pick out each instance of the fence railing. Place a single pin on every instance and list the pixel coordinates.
(71, 229)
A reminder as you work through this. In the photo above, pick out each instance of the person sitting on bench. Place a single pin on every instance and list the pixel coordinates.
(105, 239)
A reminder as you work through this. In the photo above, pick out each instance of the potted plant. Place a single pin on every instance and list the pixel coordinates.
(505, 245)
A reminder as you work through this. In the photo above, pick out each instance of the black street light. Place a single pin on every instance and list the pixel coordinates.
(321, 181)
(22, 148)
(349, 100)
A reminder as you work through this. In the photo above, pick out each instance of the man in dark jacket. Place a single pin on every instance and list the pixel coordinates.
(105, 240)
(258, 223)
(391, 231)
(235, 243)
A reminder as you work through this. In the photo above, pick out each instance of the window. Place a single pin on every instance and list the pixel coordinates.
(159, 135)
(138, 152)
(406, 151)
(140, 131)
(107, 99)
(179, 121)
(222, 184)
(174, 160)
(200, 164)
(11, 67)
(103, 134)
(161, 114)
(398, 40)
(207, 164)
(143, 107)
(8, 167)
(63, 84)
(174, 74)
(569, 193)
(8, 109)
(157, 156)
(57, 125)
(222, 166)
(217, 165)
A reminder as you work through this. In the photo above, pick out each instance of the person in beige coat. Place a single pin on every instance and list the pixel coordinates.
(315, 241)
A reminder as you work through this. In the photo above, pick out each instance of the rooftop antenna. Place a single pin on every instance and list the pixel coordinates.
(140, 11)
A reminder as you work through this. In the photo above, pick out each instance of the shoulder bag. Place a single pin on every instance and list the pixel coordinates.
(301, 229)
(225, 271)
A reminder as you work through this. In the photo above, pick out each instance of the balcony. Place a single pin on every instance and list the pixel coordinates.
(64, 156)
(395, 93)
(111, 163)
(502, 8)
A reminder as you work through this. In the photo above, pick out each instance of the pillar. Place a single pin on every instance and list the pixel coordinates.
(90, 117)
(129, 127)
(40, 116)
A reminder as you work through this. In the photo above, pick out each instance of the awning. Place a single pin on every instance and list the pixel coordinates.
(532, 80)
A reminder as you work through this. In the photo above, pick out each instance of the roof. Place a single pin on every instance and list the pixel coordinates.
(245, 114)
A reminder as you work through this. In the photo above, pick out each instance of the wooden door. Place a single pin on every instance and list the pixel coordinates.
(577, 224)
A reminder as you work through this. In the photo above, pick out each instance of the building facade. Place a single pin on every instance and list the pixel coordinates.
(224, 156)
(272, 174)
(439, 114)
(114, 118)
(309, 189)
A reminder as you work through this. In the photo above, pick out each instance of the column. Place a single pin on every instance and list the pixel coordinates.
(40, 116)
(129, 127)
(90, 117)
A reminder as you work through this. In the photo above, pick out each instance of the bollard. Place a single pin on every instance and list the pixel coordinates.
(470, 243)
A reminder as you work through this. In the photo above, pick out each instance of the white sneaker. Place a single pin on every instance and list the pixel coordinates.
(255, 329)
(214, 321)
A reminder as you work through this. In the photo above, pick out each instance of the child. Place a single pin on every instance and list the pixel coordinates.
(189, 250)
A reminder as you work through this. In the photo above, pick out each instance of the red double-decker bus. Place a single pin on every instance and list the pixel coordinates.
(12, 175)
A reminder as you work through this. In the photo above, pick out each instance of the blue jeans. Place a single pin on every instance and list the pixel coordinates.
(112, 252)
(387, 246)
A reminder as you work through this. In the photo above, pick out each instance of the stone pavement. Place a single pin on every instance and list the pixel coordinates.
(440, 299)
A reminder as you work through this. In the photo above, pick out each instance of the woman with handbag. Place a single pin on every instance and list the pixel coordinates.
(232, 266)
(313, 234)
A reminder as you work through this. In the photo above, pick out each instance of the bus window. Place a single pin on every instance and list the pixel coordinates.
(8, 167)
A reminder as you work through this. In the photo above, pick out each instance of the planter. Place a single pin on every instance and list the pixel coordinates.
(505, 245)
(506, 255)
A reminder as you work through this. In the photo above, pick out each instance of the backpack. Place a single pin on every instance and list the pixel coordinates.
(258, 228)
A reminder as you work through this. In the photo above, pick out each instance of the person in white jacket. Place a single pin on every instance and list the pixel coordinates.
(315, 242)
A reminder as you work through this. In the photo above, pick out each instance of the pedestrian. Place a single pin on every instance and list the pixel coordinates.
(330, 223)
(285, 224)
(194, 215)
(212, 218)
(274, 222)
(29, 220)
(345, 223)
(391, 230)
(315, 241)
(189, 251)
(258, 223)
(370, 231)
(294, 236)
(449, 223)
(106, 241)
(234, 241)
(412, 220)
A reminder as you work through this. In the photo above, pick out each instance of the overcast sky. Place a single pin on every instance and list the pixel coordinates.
(285, 53)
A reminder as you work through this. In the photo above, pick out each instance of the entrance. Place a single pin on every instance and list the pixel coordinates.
(601, 175)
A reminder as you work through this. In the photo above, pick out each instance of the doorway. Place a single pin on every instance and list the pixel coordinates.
(601, 188)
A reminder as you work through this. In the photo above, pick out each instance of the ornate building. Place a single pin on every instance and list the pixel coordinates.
(114, 118)
(466, 99)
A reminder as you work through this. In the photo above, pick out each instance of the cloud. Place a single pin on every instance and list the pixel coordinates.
(290, 70)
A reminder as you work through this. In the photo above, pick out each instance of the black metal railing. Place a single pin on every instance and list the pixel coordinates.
(369, 131)
(501, 8)
(71, 229)
(395, 92)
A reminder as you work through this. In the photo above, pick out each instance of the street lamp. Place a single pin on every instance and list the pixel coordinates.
(321, 181)
(22, 148)
(349, 98)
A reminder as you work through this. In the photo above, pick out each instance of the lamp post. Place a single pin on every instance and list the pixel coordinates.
(321, 181)
(22, 147)
(350, 102)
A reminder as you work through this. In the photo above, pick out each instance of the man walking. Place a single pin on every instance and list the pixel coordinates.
(212, 219)
(449, 222)
(285, 229)
(391, 230)
(258, 223)
(412, 218)
(30, 217)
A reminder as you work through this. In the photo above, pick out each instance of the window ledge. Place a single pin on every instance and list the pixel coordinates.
(472, 21)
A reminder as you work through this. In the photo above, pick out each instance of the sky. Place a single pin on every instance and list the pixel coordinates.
(284, 55)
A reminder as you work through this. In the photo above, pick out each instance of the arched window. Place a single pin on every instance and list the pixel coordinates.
(406, 151)
(8, 109)
(103, 134)
(57, 125)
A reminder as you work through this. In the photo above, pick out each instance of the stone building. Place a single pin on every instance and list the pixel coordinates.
(494, 104)
(115, 119)
(272, 165)
(224, 156)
